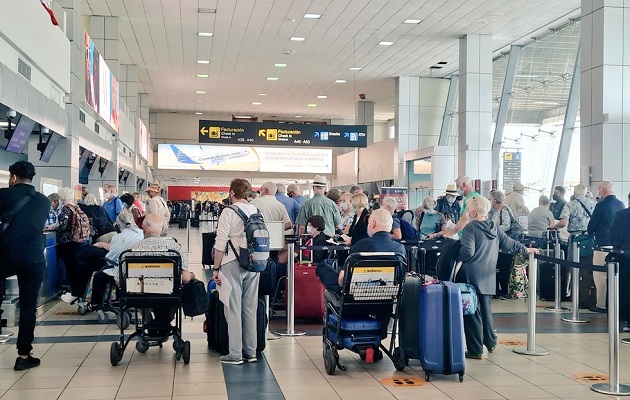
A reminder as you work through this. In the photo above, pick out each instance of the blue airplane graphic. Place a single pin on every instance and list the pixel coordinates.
(207, 159)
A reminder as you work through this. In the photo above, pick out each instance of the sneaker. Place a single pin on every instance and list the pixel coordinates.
(4, 339)
(230, 360)
(250, 359)
(505, 297)
(491, 349)
(92, 307)
(598, 310)
(6, 334)
(68, 297)
(626, 326)
(474, 356)
(26, 363)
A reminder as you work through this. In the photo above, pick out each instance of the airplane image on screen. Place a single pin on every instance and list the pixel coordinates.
(205, 158)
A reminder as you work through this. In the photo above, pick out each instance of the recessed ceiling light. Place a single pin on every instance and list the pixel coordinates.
(203, 62)
(312, 16)
(206, 34)
(298, 116)
(256, 103)
(200, 101)
(198, 113)
(297, 39)
(207, 10)
(356, 69)
(262, 94)
(321, 96)
(340, 81)
(271, 78)
(280, 65)
(242, 116)
(200, 92)
(202, 75)
(412, 21)
(385, 43)
(311, 105)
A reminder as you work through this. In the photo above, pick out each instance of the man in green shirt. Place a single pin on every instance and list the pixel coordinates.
(319, 204)
(464, 188)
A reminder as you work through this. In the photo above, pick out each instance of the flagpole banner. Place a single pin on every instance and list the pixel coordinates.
(400, 194)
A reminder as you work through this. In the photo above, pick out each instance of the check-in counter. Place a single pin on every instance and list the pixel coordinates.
(50, 284)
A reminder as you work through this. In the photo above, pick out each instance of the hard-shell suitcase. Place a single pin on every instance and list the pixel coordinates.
(308, 293)
(432, 327)
(194, 223)
(207, 248)
(356, 332)
(216, 327)
(547, 279)
(182, 223)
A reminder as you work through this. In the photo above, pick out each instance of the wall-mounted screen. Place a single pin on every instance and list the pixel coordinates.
(22, 131)
(143, 140)
(233, 158)
(51, 145)
(101, 86)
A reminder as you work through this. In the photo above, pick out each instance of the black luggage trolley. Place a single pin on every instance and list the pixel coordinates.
(373, 284)
(150, 280)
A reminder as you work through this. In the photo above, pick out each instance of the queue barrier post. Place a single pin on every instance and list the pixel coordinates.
(575, 288)
(613, 387)
(532, 349)
(290, 296)
(269, 335)
(557, 307)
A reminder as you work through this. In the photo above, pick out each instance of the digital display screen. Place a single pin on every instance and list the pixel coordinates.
(143, 140)
(22, 131)
(50, 147)
(242, 158)
(101, 87)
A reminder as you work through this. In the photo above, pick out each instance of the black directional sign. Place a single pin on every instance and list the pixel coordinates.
(511, 168)
(272, 134)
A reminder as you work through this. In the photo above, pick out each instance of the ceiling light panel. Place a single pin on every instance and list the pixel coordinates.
(202, 75)
(203, 61)
(384, 43)
(297, 39)
(206, 34)
(340, 81)
(200, 92)
(412, 21)
(321, 96)
(312, 16)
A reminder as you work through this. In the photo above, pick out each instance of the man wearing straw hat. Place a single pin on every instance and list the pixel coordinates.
(319, 204)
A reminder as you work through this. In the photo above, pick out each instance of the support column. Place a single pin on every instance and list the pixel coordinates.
(129, 88)
(506, 95)
(407, 115)
(605, 94)
(104, 34)
(364, 115)
(475, 107)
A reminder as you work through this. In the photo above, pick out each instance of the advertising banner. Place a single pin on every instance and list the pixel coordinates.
(241, 158)
(101, 87)
(273, 134)
(401, 194)
(143, 140)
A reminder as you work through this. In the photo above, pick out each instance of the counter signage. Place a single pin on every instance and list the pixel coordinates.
(270, 134)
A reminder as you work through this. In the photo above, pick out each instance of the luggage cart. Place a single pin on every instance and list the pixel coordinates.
(150, 280)
(372, 284)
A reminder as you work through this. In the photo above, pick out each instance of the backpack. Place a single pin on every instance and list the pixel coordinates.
(253, 257)
(79, 224)
(408, 231)
(406, 215)
(194, 298)
(447, 259)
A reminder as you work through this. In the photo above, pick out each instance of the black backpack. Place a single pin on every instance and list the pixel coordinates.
(194, 298)
(447, 259)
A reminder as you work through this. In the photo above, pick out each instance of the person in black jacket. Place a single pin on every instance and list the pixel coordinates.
(619, 236)
(317, 225)
(104, 230)
(22, 250)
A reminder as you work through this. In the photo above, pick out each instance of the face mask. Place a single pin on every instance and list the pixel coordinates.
(460, 192)
(106, 195)
(371, 204)
(450, 200)
(344, 206)
(309, 229)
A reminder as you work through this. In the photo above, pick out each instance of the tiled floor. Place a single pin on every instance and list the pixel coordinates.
(75, 364)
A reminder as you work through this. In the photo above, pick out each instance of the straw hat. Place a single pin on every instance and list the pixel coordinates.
(451, 189)
(153, 187)
(319, 181)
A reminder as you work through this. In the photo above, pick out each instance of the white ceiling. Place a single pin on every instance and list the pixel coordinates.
(160, 36)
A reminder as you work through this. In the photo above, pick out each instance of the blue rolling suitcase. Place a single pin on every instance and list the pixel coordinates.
(432, 327)
(357, 333)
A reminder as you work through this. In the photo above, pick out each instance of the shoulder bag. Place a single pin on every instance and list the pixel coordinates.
(6, 218)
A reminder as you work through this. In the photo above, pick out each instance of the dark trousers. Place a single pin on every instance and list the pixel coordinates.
(624, 289)
(99, 285)
(67, 252)
(479, 327)
(30, 276)
(504, 267)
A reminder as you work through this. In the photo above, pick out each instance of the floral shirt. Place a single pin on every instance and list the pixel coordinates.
(577, 215)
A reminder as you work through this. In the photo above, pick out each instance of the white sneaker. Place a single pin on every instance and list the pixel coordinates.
(4, 340)
(6, 335)
(68, 297)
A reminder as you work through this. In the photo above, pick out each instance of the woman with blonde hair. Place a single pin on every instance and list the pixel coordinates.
(358, 229)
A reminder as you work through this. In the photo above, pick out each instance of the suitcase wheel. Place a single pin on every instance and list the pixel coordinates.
(461, 377)
(398, 359)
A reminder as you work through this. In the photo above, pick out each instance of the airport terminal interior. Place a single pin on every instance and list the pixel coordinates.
(394, 98)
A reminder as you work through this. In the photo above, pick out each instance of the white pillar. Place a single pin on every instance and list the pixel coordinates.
(475, 107)
(407, 115)
(605, 94)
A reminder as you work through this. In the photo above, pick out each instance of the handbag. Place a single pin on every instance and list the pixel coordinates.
(194, 298)
(517, 285)
(585, 242)
(516, 230)
(470, 300)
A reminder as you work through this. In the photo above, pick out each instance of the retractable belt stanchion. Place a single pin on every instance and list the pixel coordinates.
(558, 281)
(532, 349)
(613, 387)
(269, 334)
(575, 288)
(188, 241)
(290, 296)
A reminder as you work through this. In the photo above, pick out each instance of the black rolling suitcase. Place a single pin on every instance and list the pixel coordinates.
(194, 223)
(207, 248)
(428, 254)
(547, 280)
(217, 330)
(182, 223)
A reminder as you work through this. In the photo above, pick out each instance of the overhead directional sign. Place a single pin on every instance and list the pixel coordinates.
(511, 168)
(272, 134)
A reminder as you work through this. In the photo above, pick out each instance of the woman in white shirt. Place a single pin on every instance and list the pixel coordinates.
(243, 301)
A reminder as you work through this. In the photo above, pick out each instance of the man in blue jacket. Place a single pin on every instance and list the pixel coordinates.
(599, 226)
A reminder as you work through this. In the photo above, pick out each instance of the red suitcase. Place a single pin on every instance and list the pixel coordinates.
(309, 293)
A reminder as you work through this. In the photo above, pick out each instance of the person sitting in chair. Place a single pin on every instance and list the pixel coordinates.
(379, 240)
